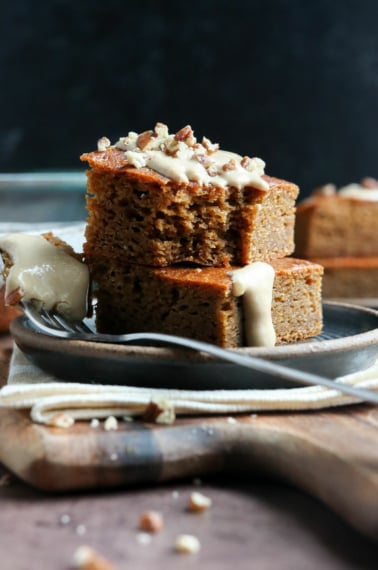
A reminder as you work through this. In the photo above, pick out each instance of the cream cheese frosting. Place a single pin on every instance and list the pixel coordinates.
(45, 273)
(359, 192)
(181, 158)
(255, 283)
(366, 190)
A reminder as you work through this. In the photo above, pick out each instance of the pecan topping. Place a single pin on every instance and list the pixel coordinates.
(209, 146)
(230, 165)
(161, 130)
(369, 182)
(144, 138)
(103, 143)
(245, 162)
(184, 134)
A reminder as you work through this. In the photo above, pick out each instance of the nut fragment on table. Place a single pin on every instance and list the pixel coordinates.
(199, 502)
(111, 423)
(187, 544)
(61, 420)
(151, 521)
(86, 558)
(160, 412)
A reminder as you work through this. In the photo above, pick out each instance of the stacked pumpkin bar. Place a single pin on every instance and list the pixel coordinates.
(185, 238)
(337, 228)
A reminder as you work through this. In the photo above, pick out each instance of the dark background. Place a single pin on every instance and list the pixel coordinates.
(291, 81)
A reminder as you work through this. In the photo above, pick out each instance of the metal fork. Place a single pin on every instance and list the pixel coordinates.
(54, 324)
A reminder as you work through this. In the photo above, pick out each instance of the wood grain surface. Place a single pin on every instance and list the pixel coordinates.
(331, 455)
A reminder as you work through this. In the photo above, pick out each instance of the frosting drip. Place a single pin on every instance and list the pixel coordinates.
(255, 283)
(47, 274)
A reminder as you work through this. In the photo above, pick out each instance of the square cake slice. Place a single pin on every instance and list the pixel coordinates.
(338, 223)
(350, 278)
(159, 199)
(202, 303)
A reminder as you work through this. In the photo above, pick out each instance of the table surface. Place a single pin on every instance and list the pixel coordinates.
(252, 523)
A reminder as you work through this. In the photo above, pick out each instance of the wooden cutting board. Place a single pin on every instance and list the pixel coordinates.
(332, 455)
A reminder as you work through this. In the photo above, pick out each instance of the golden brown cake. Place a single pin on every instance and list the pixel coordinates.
(338, 223)
(159, 199)
(201, 302)
(338, 229)
(350, 277)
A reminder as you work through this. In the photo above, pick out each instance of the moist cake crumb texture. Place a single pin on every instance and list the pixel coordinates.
(169, 219)
(235, 217)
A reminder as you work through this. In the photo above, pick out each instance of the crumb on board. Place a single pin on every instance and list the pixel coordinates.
(111, 423)
(61, 420)
(151, 521)
(160, 412)
(86, 558)
(187, 544)
(198, 502)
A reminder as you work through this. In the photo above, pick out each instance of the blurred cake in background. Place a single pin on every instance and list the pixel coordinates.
(337, 228)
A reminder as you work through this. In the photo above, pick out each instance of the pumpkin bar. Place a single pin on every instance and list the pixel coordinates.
(161, 199)
(350, 277)
(202, 303)
(338, 223)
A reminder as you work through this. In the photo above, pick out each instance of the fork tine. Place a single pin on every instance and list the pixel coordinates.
(71, 326)
(33, 314)
(52, 322)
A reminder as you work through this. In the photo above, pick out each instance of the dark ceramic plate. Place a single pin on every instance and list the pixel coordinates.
(349, 342)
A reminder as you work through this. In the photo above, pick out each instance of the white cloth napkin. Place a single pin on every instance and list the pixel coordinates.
(45, 396)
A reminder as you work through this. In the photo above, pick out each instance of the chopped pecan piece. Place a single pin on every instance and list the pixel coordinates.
(144, 138)
(161, 130)
(245, 162)
(86, 558)
(103, 143)
(230, 165)
(184, 134)
(160, 412)
(209, 146)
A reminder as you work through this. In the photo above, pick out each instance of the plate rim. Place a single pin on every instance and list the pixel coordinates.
(27, 338)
